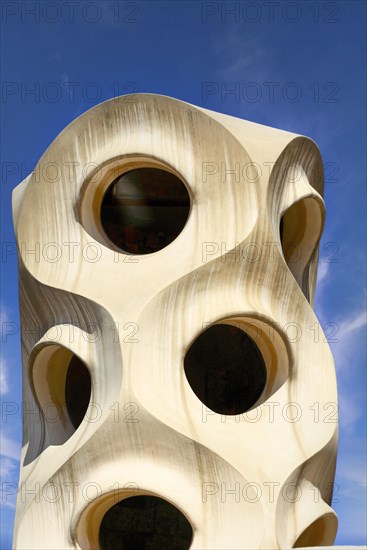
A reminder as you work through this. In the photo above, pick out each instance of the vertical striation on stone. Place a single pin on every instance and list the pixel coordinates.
(115, 328)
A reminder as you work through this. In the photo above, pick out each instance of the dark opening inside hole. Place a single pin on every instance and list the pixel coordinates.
(225, 369)
(281, 230)
(144, 523)
(144, 210)
(77, 390)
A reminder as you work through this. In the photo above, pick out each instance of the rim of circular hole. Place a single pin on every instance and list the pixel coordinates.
(93, 192)
(86, 528)
(278, 366)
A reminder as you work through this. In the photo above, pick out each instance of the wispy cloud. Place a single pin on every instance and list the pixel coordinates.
(353, 324)
(345, 353)
(348, 336)
(9, 468)
(9, 479)
(238, 68)
(350, 490)
(353, 472)
(57, 56)
(351, 510)
(347, 349)
(349, 328)
(323, 272)
(8, 447)
(4, 382)
(250, 55)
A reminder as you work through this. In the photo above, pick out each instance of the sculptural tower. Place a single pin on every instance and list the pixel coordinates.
(176, 393)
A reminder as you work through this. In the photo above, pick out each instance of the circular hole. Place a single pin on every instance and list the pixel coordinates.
(144, 523)
(226, 369)
(77, 390)
(144, 210)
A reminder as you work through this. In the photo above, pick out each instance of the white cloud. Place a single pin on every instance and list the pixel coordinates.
(4, 383)
(352, 520)
(349, 501)
(8, 500)
(9, 481)
(346, 352)
(348, 329)
(348, 337)
(323, 277)
(241, 64)
(248, 57)
(350, 490)
(323, 272)
(351, 325)
(8, 469)
(351, 465)
(9, 448)
(349, 498)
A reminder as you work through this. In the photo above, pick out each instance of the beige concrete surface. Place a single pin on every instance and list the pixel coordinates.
(279, 460)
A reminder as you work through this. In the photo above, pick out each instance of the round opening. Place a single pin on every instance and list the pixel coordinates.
(226, 369)
(144, 523)
(77, 390)
(144, 210)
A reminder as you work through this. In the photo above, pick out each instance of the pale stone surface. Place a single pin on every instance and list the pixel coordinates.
(176, 450)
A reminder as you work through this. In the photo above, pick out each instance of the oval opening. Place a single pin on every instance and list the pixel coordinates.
(145, 523)
(226, 369)
(300, 231)
(62, 385)
(317, 534)
(144, 210)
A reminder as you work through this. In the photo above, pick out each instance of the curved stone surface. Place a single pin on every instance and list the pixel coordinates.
(247, 256)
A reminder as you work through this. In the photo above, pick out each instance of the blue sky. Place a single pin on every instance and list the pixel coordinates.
(298, 66)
